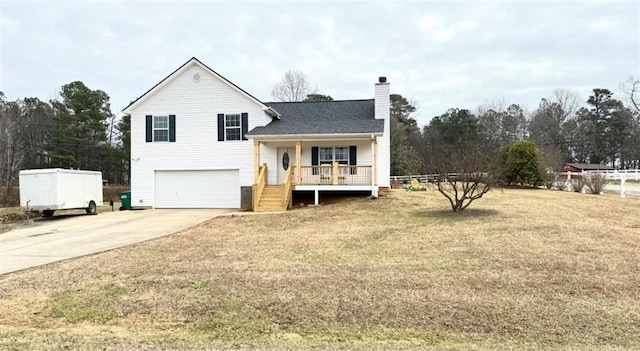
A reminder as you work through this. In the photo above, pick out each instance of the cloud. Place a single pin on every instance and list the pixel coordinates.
(440, 54)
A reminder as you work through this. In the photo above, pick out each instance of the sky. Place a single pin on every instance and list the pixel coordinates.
(438, 54)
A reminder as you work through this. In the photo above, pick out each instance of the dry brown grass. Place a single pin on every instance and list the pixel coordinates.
(520, 269)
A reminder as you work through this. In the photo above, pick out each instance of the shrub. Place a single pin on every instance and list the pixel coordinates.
(523, 164)
(550, 180)
(577, 184)
(595, 182)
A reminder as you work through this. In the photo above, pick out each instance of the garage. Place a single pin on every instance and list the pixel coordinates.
(197, 189)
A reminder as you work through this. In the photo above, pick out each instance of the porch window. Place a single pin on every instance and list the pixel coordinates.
(329, 155)
(326, 155)
(341, 155)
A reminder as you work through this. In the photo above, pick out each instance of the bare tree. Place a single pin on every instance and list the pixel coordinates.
(567, 100)
(294, 86)
(631, 88)
(10, 156)
(465, 174)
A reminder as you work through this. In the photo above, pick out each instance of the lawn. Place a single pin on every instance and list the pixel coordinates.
(521, 269)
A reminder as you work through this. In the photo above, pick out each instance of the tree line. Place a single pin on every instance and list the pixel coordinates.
(602, 130)
(76, 130)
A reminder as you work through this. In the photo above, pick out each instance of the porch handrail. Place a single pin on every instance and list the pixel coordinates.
(259, 185)
(287, 187)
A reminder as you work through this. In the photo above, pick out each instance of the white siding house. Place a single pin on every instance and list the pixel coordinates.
(197, 141)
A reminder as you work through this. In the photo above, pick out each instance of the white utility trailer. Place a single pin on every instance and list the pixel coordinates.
(53, 189)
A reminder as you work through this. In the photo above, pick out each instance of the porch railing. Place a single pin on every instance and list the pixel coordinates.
(335, 174)
(258, 187)
(287, 186)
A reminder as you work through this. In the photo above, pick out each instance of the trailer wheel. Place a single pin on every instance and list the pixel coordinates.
(47, 213)
(92, 209)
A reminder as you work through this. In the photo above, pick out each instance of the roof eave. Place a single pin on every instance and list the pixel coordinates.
(315, 136)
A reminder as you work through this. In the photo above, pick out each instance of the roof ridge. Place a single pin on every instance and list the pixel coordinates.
(311, 102)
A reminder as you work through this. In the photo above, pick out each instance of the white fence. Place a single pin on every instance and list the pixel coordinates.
(563, 180)
(620, 174)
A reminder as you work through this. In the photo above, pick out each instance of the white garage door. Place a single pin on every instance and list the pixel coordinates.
(197, 189)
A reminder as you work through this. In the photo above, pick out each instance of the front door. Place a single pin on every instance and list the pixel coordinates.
(286, 159)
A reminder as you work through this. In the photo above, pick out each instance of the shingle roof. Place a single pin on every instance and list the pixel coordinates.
(590, 166)
(325, 117)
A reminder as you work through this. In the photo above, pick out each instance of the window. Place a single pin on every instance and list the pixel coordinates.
(325, 155)
(160, 128)
(342, 155)
(232, 127)
(328, 155)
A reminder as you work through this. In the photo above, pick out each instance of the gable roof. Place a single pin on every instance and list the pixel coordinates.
(322, 117)
(182, 68)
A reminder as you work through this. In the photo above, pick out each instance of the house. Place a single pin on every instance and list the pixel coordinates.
(200, 141)
(581, 167)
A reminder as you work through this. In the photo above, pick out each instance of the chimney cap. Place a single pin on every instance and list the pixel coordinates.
(382, 79)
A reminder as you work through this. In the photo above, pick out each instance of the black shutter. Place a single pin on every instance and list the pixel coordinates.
(172, 128)
(353, 161)
(220, 127)
(245, 125)
(149, 125)
(314, 159)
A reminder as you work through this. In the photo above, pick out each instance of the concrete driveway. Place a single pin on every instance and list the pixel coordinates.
(66, 236)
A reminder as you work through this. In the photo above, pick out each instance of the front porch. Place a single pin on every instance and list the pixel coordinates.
(317, 166)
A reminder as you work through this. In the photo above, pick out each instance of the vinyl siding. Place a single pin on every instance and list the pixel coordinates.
(196, 106)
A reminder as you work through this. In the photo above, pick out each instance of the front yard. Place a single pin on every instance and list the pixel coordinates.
(521, 269)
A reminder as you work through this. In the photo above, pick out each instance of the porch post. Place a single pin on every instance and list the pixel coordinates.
(256, 160)
(335, 173)
(374, 153)
(298, 162)
(373, 166)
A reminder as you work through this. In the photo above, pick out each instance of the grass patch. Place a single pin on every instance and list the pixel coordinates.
(522, 269)
(73, 309)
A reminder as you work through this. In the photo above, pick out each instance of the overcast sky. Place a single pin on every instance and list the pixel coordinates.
(438, 54)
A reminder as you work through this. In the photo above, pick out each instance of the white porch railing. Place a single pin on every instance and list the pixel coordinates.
(334, 175)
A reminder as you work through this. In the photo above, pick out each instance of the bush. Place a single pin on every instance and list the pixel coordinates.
(523, 164)
(577, 184)
(595, 182)
(550, 180)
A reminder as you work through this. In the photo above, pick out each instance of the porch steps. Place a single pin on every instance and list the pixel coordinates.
(271, 199)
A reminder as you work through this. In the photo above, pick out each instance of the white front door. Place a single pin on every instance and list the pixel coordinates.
(286, 158)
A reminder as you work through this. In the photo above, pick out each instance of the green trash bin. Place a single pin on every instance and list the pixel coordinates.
(125, 199)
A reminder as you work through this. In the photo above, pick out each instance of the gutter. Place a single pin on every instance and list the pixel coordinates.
(312, 136)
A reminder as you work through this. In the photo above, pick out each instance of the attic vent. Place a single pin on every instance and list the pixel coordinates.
(196, 77)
